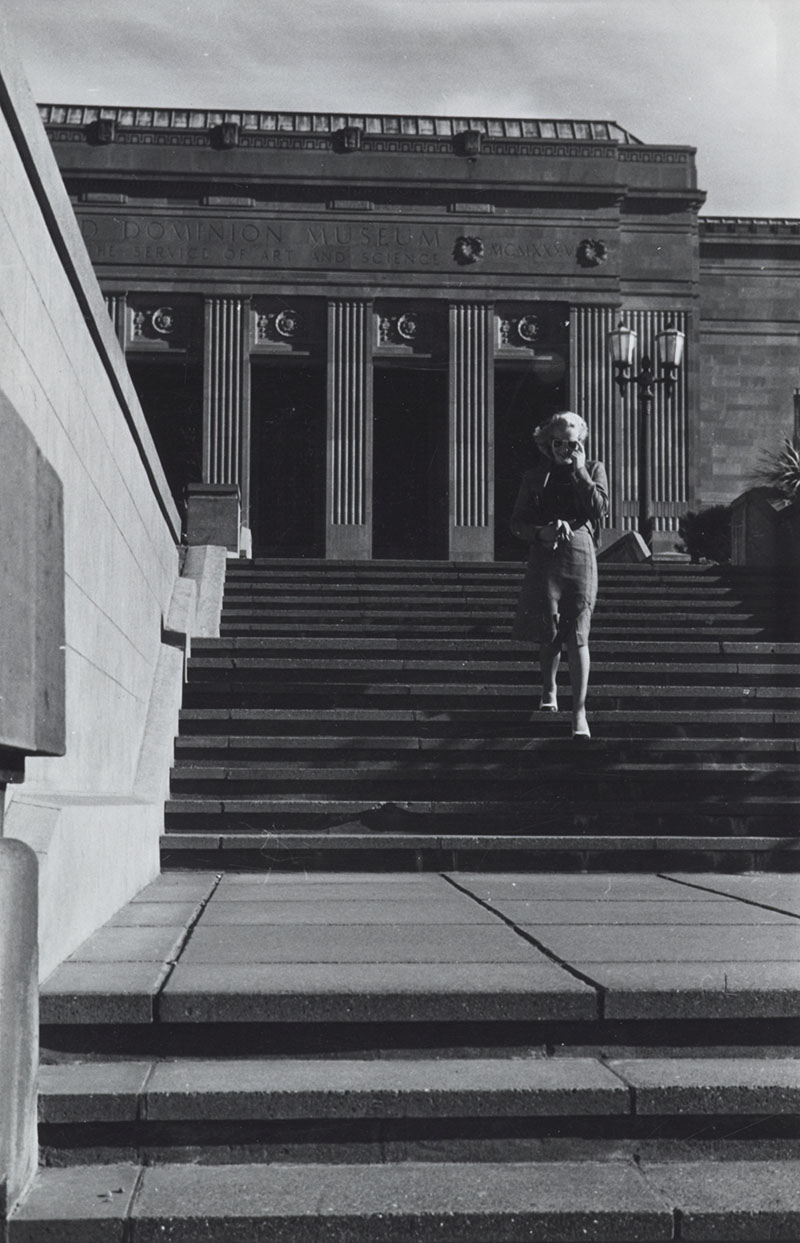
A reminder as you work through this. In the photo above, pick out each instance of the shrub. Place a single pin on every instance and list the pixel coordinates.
(706, 535)
(781, 470)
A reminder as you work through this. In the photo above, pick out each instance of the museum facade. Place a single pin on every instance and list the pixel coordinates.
(358, 320)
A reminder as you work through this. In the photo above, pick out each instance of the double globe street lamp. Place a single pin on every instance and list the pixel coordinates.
(669, 351)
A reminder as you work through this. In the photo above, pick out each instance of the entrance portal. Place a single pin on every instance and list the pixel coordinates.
(171, 394)
(287, 471)
(409, 488)
(522, 400)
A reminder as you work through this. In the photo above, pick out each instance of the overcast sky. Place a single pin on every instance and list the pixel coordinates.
(714, 74)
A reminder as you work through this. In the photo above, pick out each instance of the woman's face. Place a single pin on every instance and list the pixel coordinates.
(564, 444)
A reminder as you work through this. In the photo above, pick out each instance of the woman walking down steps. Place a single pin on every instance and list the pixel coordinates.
(560, 503)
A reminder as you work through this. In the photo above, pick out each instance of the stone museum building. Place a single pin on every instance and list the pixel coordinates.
(358, 319)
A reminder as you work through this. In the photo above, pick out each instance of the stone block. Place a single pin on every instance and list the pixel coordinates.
(633, 943)
(426, 1202)
(705, 1085)
(694, 914)
(775, 891)
(79, 992)
(397, 1088)
(722, 1200)
(144, 944)
(697, 990)
(32, 673)
(213, 515)
(627, 547)
(374, 992)
(298, 943)
(85, 1204)
(332, 912)
(91, 1091)
(155, 914)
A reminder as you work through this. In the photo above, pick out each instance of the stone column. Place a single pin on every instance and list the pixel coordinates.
(226, 395)
(348, 499)
(594, 396)
(471, 535)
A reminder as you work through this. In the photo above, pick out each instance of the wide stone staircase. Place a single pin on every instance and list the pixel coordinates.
(421, 969)
(378, 714)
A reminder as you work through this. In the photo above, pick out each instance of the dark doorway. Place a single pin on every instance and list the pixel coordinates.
(409, 488)
(171, 393)
(287, 471)
(522, 400)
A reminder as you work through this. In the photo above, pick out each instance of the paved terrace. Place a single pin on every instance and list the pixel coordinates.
(202, 947)
(452, 1058)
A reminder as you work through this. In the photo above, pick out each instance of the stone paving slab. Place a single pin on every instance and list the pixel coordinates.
(592, 887)
(776, 891)
(701, 1085)
(81, 992)
(693, 914)
(96, 1091)
(635, 943)
(84, 1204)
(731, 1199)
(332, 912)
(154, 914)
(375, 992)
(388, 1203)
(659, 990)
(298, 943)
(178, 887)
(293, 889)
(146, 944)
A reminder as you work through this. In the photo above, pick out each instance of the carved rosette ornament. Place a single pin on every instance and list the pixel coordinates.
(285, 325)
(403, 329)
(155, 323)
(468, 250)
(591, 252)
(529, 328)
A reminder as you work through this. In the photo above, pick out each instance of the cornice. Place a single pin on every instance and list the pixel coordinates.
(203, 122)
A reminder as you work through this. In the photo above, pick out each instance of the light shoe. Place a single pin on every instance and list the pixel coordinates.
(548, 705)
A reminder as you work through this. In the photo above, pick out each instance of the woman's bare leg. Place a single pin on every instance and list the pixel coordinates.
(549, 660)
(579, 665)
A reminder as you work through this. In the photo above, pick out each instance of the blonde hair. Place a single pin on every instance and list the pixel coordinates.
(565, 420)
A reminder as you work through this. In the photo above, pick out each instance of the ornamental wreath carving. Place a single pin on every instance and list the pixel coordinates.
(285, 325)
(591, 252)
(468, 250)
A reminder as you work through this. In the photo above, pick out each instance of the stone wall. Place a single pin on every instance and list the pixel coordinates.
(749, 350)
(63, 374)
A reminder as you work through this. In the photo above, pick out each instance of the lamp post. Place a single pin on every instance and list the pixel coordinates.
(669, 349)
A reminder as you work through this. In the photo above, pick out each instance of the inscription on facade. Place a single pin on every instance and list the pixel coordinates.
(218, 241)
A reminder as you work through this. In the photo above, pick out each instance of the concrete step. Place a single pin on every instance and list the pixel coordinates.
(520, 721)
(241, 691)
(336, 667)
(324, 1109)
(429, 1202)
(220, 748)
(716, 815)
(394, 847)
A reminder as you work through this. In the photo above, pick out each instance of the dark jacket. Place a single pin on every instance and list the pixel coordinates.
(590, 488)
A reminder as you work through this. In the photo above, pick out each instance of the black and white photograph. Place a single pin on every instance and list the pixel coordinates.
(400, 631)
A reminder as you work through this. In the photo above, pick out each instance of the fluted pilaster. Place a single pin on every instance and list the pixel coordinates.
(226, 395)
(349, 467)
(471, 432)
(613, 419)
(116, 305)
